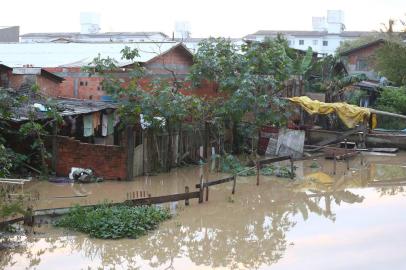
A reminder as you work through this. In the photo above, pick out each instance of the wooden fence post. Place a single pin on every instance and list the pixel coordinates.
(207, 190)
(201, 189)
(130, 152)
(292, 168)
(234, 183)
(335, 163)
(348, 163)
(54, 161)
(258, 172)
(187, 199)
(29, 217)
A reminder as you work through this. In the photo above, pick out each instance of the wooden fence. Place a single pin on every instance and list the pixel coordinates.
(138, 198)
(262, 162)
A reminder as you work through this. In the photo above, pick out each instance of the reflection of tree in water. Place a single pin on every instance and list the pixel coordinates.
(244, 234)
(18, 244)
(391, 190)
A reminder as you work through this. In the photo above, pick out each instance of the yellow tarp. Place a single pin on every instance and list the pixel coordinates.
(351, 115)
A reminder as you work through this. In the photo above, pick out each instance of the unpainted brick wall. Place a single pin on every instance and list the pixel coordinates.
(107, 161)
(91, 88)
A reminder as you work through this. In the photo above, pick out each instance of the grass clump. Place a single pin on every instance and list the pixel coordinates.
(114, 222)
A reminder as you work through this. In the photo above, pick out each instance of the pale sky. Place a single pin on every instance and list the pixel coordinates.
(230, 18)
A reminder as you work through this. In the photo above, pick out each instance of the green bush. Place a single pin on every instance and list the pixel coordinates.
(391, 99)
(113, 222)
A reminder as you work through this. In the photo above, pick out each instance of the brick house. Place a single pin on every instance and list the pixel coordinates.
(161, 60)
(360, 59)
(24, 78)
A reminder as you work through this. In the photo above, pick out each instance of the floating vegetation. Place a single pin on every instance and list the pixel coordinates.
(113, 222)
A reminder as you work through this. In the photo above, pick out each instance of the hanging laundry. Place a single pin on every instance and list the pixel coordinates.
(110, 124)
(73, 124)
(116, 118)
(88, 125)
(104, 124)
(96, 120)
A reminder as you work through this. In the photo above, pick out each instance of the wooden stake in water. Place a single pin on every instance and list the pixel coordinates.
(187, 199)
(292, 168)
(207, 190)
(201, 189)
(258, 173)
(234, 183)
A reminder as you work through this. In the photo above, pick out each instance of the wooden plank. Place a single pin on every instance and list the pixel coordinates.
(14, 180)
(164, 199)
(378, 154)
(138, 160)
(216, 182)
(273, 160)
(339, 137)
(387, 113)
(384, 150)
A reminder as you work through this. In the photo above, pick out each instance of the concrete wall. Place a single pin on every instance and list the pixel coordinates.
(107, 161)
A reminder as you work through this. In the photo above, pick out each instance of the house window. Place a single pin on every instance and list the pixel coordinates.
(362, 64)
(315, 42)
(85, 83)
(81, 83)
(99, 88)
(325, 43)
(301, 42)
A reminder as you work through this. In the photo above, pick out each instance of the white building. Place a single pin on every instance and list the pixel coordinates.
(99, 37)
(90, 32)
(327, 34)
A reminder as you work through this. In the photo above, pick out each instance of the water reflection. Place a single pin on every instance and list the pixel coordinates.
(244, 232)
(249, 230)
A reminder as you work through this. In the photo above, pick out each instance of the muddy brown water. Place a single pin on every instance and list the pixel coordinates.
(351, 220)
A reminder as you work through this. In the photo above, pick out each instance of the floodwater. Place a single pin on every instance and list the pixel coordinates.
(355, 219)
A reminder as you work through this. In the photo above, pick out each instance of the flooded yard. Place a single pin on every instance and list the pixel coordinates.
(354, 219)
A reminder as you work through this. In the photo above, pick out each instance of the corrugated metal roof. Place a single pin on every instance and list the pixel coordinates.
(309, 33)
(76, 54)
(66, 107)
(106, 34)
(366, 45)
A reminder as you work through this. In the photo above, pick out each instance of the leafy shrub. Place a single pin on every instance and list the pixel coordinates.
(391, 99)
(231, 164)
(113, 222)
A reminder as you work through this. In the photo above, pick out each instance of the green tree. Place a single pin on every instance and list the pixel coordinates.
(390, 61)
(162, 105)
(251, 76)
